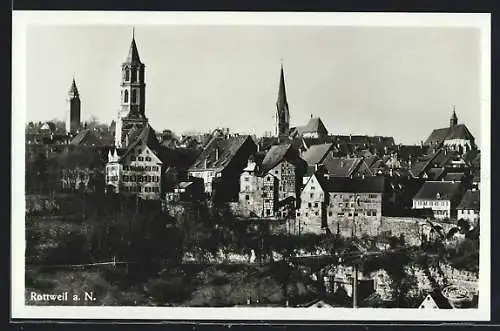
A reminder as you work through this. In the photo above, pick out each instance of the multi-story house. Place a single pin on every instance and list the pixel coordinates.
(468, 209)
(354, 201)
(440, 196)
(137, 170)
(258, 194)
(326, 203)
(221, 163)
(271, 188)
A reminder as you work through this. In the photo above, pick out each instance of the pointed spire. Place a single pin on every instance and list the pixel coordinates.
(73, 89)
(133, 54)
(282, 102)
(454, 118)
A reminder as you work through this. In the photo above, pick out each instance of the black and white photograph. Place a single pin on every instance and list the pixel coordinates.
(221, 166)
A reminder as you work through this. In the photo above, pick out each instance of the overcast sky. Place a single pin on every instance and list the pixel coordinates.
(393, 81)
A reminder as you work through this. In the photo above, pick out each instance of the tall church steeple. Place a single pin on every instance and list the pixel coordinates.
(282, 112)
(454, 118)
(133, 95)
(73, 113)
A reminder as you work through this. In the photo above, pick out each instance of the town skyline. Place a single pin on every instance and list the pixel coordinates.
(209, 89)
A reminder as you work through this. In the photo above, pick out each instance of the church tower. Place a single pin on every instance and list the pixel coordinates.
(282, 113)
(73, 113)
(133, 96)
(453, 119)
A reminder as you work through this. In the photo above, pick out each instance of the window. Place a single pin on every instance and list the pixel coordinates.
(317, 213)
(340, 214)
(134, 96)
(134, 75)
(330, 213)
(355, 214)
(140, 158)
(127, 74)
(374, 213)
(350, 214)
(264, 195)
(125, 178)
(139, 179)
(298, 213)
(316, 204)
(312, 188)
(268, 179)
(148, 158)
(125, 96)
(307, 214)
(309, 205)
(247, 179)
(268, 212)
(247, 197)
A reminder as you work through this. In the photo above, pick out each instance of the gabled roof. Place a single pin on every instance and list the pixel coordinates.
(438, 190)
(435, 173)
(219, 152)
(315, 124)
(316, 153)
(86, 137)
(341, 166)
(276, 155)
(454, 177)
(470, 200)
(375, 184)
(459, 131)
(147, 136)
(437, 136)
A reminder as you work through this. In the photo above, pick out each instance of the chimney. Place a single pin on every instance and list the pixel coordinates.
(217, 154)
(311, 115)
(350, 137)
(205, 163)
(258, 147)
(342, 164)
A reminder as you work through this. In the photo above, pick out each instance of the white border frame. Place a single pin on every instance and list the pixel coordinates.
(20, 21)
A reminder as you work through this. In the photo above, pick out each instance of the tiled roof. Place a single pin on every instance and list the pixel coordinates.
(86, 137)
(277, 154)
(435, 173)
(459, 131)
(316, 153)
(454, 176)
(219, 152)
(375, 184)
(430, 190)
(315, 124)
(470, 200)
(341, 166)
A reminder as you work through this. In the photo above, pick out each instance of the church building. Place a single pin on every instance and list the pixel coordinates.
(456, 137)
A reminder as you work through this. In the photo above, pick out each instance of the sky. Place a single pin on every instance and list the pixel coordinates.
(391, 81)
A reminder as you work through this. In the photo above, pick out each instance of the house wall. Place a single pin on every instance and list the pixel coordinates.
(311, 216)
(258, 195)
(468, 215)
(207, 175)
(440, 208)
